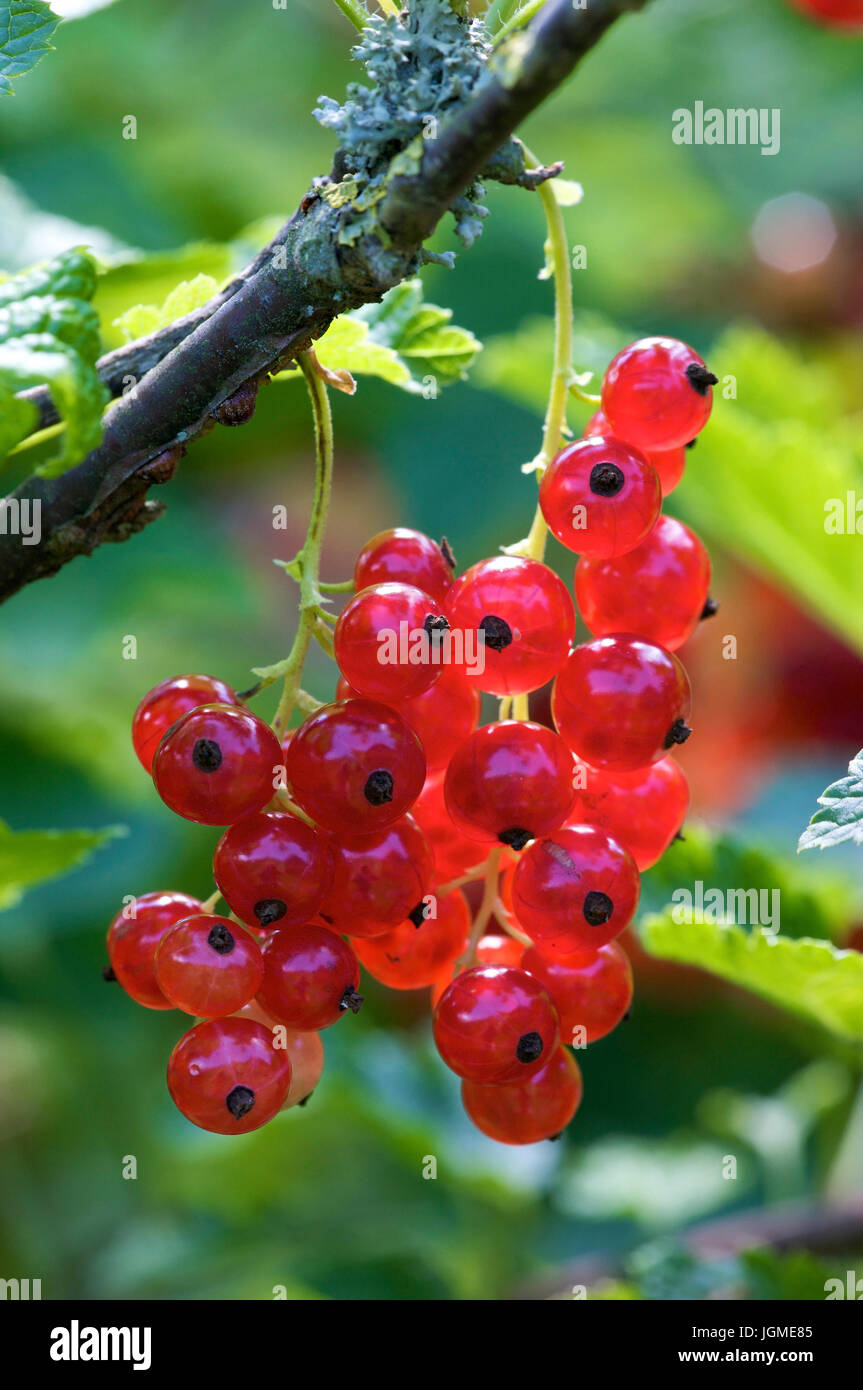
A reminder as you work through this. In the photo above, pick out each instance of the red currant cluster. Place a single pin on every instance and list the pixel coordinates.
(350, 841)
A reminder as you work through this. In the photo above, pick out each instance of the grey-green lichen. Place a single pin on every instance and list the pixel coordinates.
(419, 64)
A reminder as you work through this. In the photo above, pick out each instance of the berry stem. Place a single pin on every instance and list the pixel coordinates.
(484, 912)
(520, 707)
(533, 547)
(517, 20)
(500, 913)
(309, 558)
(504, 708)
(210, 904)
(470, 877)
(354, 11)
(345, 586)
(282, 802)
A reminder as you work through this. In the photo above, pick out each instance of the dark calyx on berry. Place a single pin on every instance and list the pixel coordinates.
(418, 915)
(446, 551)
(108, 974)
(305, 1100)
(515, 837)
(207, 755)
(351, 1000)
(678, 733)
(528, 1047)
(606, 479)
(240, 1101)
(498, 633)
(700, 378)
(221, 939)
(379, 787)
(597, 909)
(435, 626)
(269, 910)
(710, 608)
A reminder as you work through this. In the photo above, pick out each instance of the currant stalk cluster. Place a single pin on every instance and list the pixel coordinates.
(349, 840)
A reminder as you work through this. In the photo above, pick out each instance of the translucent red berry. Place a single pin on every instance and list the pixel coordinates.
(216, 764)
(227, 1075)
(402, 556)
(575, 890)
(454, 853)
(355, 767)
(657, 590)
(310, 977)
(592, 991)
(835, 14)
(600, 496)
(378, 880)
(272, 869)
(388, 642)
(657, 394)
(169, 701)
(306, 1052)
(134, 936)
(442, 717)
(524, 1112)
(670, 464)
(491, 950)
(515, 620)
(495, 1023)
(510, 782)
(642, 810)
(620, 703)
(208, 966)
(419, 952)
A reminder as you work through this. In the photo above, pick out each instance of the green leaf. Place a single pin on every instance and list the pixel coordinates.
(70, 275)
(26, 27)
(347, 346)
(49, 335)
(771, 475)
(811, 899)
(811, 978)
(420, 334)
(80, 397)
(140, 279)
(842, 816)
(29, 857)
(144, 319)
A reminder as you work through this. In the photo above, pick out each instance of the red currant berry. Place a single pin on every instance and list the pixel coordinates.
(516, 621)
(575, 890)
(134, 936)
(209, 967)
(620, 703)
(168, 702)
(227, 1076)
(491, 950)
(656, 393)
(389, 642)
(670, 464)
(524, 1112)
(310, 977)
(216, 764)
(306, 1052)
(378, 880)
(402, 556)
(272, 869)
(642, 810)
(835, 14)
(355, 767)
(592, 991)
(442, 717)
(600, 496)
(657, 590)
(419, 952)
(494, 1023)
(510, 782)
(454, 854)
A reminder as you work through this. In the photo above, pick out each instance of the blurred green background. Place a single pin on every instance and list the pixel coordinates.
(330, 1201)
